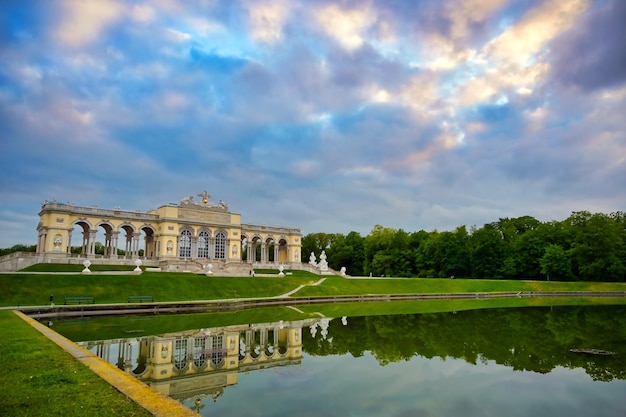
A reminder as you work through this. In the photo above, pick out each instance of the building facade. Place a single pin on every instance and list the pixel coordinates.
(190, 230)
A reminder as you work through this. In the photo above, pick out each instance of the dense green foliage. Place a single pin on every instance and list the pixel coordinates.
(530, 339)
(17, 248)
(583, 247)
(43, 380)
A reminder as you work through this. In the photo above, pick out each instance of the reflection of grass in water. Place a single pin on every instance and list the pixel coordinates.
(101, 328)
(38, 374)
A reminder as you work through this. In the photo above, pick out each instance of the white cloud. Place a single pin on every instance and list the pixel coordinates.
(266, 20)
(347, 27)
(84, 21)
(143, 13)
(520, 43)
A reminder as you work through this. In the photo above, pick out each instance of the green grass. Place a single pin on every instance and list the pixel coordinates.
(41, 379)
(334, 286)
(35, 289)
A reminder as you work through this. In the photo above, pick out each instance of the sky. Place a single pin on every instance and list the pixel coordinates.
(330, 116)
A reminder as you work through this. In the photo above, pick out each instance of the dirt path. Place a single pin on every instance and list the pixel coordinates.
(299, 287)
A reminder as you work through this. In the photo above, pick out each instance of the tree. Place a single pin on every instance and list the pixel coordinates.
(316, 243)
(379, 240)
(487, 251)
(555, 263)
(18, 248)
(597, 245)
(347, 251)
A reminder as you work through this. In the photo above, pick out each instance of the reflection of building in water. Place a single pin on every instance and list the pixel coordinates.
(200, 363)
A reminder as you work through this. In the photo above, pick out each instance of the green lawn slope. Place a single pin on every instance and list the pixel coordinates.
(40, 379)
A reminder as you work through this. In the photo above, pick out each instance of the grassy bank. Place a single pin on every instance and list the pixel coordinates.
(36, 289)
(340, 286)
(40, 379)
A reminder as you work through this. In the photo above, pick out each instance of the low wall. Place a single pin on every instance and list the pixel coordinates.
(20, 260)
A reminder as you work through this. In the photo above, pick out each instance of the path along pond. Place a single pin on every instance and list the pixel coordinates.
(438, 359)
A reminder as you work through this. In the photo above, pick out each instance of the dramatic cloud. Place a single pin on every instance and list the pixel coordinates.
(327, 115)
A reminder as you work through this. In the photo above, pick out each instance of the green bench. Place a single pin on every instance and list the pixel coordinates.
(80, 300)
(140, 298)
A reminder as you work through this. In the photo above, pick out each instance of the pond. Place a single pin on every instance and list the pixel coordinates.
(532, 361)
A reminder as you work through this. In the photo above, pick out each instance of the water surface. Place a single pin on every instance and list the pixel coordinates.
(560, 361)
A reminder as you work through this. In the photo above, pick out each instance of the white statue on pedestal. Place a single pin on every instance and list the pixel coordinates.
(86, 264)
(209, 269)
(312, 259)
(280, 269)
(137, 265)
(323, 265)
(343, 271)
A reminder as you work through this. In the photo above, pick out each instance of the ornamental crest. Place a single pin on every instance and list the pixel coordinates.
(204, 202)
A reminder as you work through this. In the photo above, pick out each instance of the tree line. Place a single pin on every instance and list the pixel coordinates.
(585, 246)
(535, 339)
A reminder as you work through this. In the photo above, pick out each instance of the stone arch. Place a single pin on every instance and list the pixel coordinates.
(282, 250)
(131, 240)
(150, 249)
(269, 250)
(89, 235)
(109, 249)
(254, 247)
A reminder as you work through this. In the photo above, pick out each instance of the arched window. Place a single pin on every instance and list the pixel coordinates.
(180, 354)
(199, 351)
(220, 245)
(203, 245)
(184, 244)
(217, 351)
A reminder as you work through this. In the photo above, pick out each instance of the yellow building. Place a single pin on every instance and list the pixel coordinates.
(201, 363)
(187, 235)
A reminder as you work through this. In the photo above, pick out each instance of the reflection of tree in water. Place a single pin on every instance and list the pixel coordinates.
(529, 339)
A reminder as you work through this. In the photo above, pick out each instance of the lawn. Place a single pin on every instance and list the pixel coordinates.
(40, 379)
(35, 289)
(334, 286)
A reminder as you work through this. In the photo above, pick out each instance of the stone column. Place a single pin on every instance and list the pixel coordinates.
(41, 242)
(69, 242)
(194, 247)
(135, 245)
(249, 258)
(114, 240)
(92, 242)
(107, 244)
